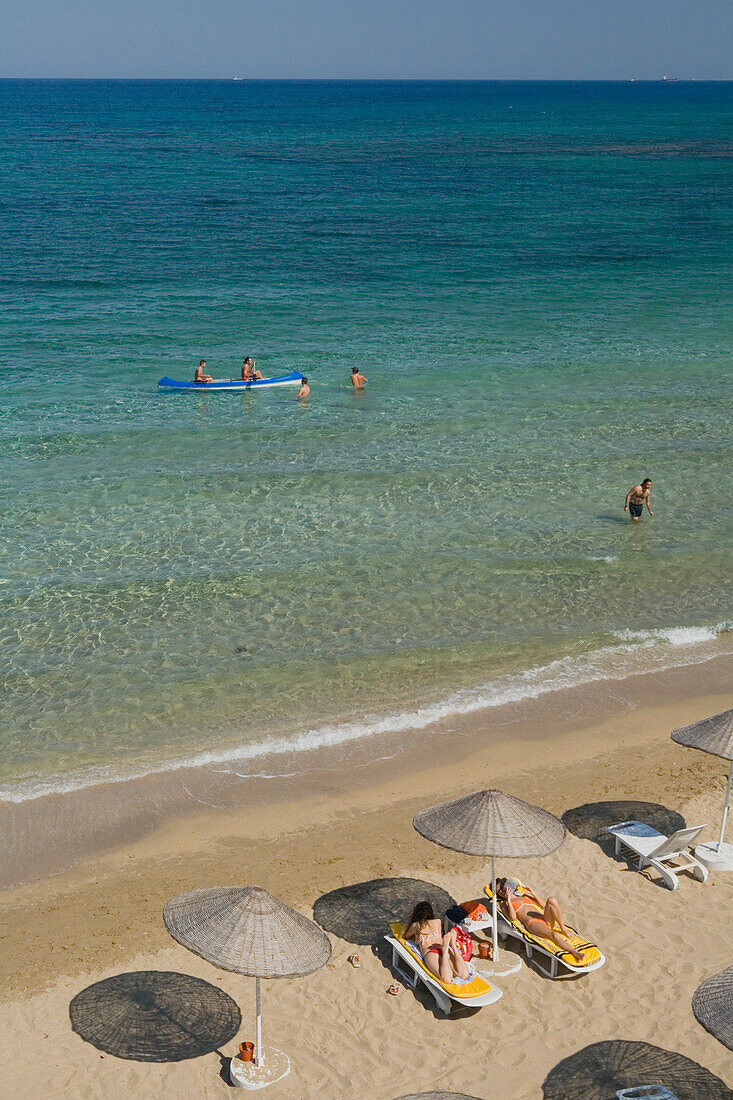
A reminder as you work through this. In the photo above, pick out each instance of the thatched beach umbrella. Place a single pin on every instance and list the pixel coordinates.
(712, 1004)
(247, 930)
(713, 735)
(491, 823)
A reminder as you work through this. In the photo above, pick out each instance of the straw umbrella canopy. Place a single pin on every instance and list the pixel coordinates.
(248, 931)
(492, 823)
(713, 735)
(712, 1004)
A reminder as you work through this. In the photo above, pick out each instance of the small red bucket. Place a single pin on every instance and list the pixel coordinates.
(246, 1050)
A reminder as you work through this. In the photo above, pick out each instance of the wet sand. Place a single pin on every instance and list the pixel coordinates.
(47, 835)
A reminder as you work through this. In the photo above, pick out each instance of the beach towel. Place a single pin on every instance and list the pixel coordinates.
(475, 910)
(475, 986)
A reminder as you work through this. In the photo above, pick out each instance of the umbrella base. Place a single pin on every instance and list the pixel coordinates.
(500, 967)
(713, 859)
(246, 1075)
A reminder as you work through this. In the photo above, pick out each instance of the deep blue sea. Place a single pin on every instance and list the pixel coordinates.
(536, 280)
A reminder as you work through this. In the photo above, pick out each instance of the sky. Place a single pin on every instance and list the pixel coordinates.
(368, 39)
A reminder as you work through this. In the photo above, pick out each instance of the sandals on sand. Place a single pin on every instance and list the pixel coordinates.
(355, 961)
(393, 989)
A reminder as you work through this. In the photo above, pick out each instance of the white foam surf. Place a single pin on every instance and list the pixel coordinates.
(636, 652)
(676, 635)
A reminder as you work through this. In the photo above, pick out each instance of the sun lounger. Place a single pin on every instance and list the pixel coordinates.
(408, 963)
(667, 854)
(551, 959)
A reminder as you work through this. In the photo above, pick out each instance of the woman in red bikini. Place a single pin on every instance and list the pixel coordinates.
(441, 954)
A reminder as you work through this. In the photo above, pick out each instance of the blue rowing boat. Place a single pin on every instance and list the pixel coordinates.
(292, 379)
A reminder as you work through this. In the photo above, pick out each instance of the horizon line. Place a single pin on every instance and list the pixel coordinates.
(380, 79)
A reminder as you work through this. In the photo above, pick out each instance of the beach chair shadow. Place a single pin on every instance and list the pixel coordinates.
(155, 1016)
(382, 950)
(362, 912)
(597, 1071)
(589, 821)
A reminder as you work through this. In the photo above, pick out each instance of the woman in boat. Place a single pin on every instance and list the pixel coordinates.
(441, 954)
(540, 918)
(249, 371)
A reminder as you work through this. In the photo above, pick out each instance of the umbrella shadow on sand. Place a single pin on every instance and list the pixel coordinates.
(362, 913)
(155, 1016)
(589, 821)
(597, 1071)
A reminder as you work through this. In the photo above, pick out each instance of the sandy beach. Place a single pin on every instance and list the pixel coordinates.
(352, 856)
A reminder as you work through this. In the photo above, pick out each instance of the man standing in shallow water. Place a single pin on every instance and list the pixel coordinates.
(358, 381)
(637, 497)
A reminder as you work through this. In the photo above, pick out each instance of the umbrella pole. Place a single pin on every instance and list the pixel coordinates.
(494, 920)
(258, 1045)
(508, 967)
(726, 804)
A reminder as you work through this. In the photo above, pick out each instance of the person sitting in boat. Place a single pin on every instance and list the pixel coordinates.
(441, 954)
(201, 375)
(249, 371)
(540, 918)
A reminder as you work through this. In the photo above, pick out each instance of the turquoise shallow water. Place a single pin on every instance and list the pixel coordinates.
(535, 278)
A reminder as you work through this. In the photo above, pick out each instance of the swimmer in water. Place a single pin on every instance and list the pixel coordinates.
(358, 381)
(305, 389)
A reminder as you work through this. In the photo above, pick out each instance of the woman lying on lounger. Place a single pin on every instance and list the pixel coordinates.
(540, 918)
(441, 954)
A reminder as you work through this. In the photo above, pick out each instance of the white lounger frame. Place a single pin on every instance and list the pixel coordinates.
(651, 848)
(531, 949)
(411, 973)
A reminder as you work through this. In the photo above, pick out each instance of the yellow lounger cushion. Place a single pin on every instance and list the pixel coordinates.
(591, 952)
(477, 987)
